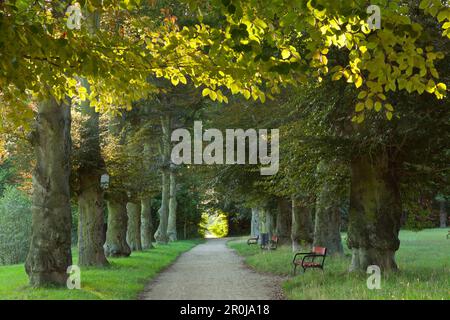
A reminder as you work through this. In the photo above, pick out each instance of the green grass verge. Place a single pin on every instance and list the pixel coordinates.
(423, 259)
(124, 279)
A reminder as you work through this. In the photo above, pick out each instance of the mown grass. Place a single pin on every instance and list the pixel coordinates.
(424, 271)
(124, 279)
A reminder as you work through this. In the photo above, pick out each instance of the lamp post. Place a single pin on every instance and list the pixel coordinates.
(104, 181)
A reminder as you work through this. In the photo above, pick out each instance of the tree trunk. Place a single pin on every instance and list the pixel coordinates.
(116, 236)
(172, 223)
(302, 233)
(327, 228)
(161, 235)
(90, 222)
(134, 226)
(49, 255)
(90, 195)
(375, 213)
(269, 222)
(442, 214)
(262, 227)
(146, 223)
(255, 223)
(284, 221)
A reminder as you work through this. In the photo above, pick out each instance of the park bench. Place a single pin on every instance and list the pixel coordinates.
(309, 259)
(272, 244)
(253, 240)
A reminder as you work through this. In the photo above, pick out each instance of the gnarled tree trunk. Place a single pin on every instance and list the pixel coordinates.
(49, 255)
(146, 223)
(284, 221)
(254, 223)
(116, 236)
(134, 226)
(172, 221)
(375, 213)
(302, 233)
(90, 221)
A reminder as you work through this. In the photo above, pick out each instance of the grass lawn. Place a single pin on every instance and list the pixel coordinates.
(423, 259)
(125, 278)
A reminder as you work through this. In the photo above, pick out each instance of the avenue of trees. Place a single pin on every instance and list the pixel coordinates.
(87, 116)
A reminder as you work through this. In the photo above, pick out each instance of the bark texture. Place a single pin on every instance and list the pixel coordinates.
(270, 221)
(161, 235)
(172, 221)
(116, 236)
(49, 255)
(375, 213)
(255, 222)
(284, 221)
(327, 228)
(134, 226)
(146, 223)
(302, 231)
(90, 222)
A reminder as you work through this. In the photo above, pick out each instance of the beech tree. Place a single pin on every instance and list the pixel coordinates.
(259, 48)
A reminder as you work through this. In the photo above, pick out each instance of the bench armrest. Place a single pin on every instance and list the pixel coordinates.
(299, 254)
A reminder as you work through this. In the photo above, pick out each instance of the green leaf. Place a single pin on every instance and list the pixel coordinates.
(359, 107)
(362, 95)
(378, 106)
(389, 115)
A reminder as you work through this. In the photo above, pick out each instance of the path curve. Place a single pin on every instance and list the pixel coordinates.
(211, 271)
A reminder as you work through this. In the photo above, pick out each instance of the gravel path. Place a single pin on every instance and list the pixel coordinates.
(211, 271)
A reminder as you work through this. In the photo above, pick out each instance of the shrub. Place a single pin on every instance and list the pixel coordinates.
(15, 226)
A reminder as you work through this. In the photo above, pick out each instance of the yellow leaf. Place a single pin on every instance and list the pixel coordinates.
(234, 88)
(358, 81)
(285, 53)
(175, 80)
(246, 94)
(442, 86)
(205, 92)
(213, 95)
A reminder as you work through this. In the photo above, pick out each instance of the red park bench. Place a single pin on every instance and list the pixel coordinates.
(309, 259)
